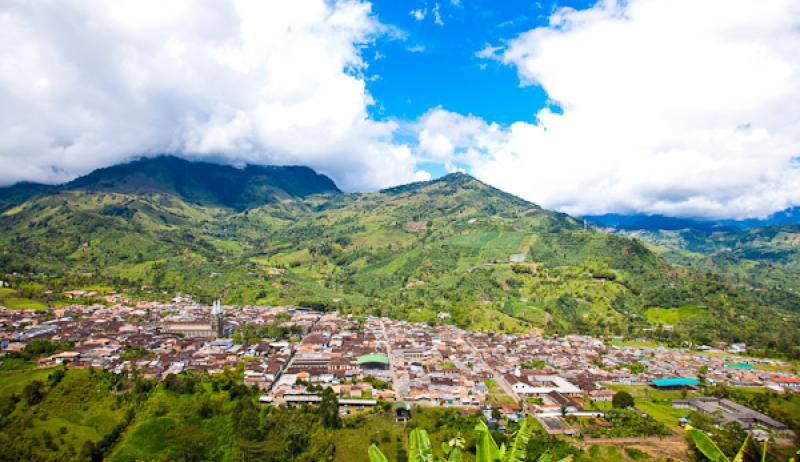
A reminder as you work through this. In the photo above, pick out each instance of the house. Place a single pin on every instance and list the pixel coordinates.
(729, 411)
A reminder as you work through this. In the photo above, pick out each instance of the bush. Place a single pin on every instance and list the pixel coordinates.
(622, 399)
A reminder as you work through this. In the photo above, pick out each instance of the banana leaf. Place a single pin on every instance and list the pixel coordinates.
(518, 450)
(705, 445)
(420, 446)
(375, 455)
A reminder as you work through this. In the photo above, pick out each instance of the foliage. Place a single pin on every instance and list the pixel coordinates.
(275, 242)
(627, 423)
(622, 399)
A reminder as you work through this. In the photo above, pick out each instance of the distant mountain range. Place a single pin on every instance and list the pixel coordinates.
(196, 182)
(486, 259)
(790, 216)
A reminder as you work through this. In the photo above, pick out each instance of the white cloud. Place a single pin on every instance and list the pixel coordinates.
(419, 14)
(452, 138)
(489, 52)
(422, 175)
(669, 106)
(437, 17)
(90, 83)
(416, 48)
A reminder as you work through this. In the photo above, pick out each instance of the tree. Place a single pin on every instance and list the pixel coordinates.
(329, 409)
(33, 393)
(622, 399)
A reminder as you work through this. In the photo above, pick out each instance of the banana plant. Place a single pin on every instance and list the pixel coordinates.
(487, 449)
(710, 449)
(421, 450)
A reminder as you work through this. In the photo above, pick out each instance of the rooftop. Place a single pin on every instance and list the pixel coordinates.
(675, 382)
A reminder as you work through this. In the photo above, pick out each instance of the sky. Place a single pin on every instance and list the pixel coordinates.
(675, 107)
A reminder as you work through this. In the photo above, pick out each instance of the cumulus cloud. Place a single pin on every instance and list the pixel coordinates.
(667, 106)
(419, 14)
(85, 84)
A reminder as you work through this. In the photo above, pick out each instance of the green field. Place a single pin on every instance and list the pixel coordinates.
(670, 316)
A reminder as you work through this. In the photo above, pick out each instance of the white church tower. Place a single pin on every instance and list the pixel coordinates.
(217, 319)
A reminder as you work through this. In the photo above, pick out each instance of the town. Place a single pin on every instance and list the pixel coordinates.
(290, 353)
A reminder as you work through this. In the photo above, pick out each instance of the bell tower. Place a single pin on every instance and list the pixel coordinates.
(217, 319)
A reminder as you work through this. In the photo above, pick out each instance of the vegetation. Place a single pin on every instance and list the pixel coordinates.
(623, 423)
(622, 400)
(161, 226)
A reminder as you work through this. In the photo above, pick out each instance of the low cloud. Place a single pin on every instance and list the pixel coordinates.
(669, 106)
(85, 84)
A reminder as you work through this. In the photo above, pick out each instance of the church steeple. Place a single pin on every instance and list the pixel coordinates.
(217, 319)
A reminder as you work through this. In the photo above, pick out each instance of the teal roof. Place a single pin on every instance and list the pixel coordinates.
(675, 382)
(372, 358)
(740, 365)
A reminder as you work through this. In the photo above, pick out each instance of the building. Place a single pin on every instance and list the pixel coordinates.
(675, 383)
(218, 319)
(728, 411)
(541, 385)
(373, 361)
(213, 328)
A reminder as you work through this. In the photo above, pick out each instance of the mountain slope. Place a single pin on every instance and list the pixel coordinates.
(449, 250)
(205, 183)
(766, 257)
(640, 221)
(11, 196)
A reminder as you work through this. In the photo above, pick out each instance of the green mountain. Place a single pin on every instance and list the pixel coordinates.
(11, 196)
(206, 183)
(766, 257)
(450, 250)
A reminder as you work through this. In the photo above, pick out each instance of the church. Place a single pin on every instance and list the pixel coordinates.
(214, 328)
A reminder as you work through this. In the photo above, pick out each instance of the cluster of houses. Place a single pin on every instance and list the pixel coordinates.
(368, 359)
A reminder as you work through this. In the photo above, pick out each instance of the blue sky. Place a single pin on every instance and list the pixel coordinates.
(435, 65)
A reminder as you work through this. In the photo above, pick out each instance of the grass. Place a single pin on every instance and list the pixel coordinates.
(663, 412)
(18, 303)
(10, 299)
(670, 316)
(496, 396)
(352, 443)
(169, 424)
(636, 343)
(656, 403)
(77, 409)
(647, 392)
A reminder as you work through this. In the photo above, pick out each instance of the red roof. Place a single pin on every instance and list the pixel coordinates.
(787, 380)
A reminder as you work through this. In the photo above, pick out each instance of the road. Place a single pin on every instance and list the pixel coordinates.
(498, 378)
(395, 385)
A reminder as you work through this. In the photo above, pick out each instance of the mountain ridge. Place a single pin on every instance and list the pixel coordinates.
(454, 245)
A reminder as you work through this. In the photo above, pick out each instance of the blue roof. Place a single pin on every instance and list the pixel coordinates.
(740, 365)
(675, 382)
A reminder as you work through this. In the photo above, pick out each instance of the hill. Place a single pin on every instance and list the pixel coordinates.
(11, 196)
(205, 183)
(766, 257)
(449, 250)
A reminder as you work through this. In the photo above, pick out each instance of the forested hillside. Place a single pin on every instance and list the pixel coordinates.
(451, 250)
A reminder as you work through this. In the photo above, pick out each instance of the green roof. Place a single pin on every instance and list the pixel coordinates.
(675, 382)
(372, 358)
(740, 365)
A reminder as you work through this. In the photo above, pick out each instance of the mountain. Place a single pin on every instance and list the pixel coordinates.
(766, 257)
(631, 222)
(449, 250)
(206, 183)
(11, 196)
